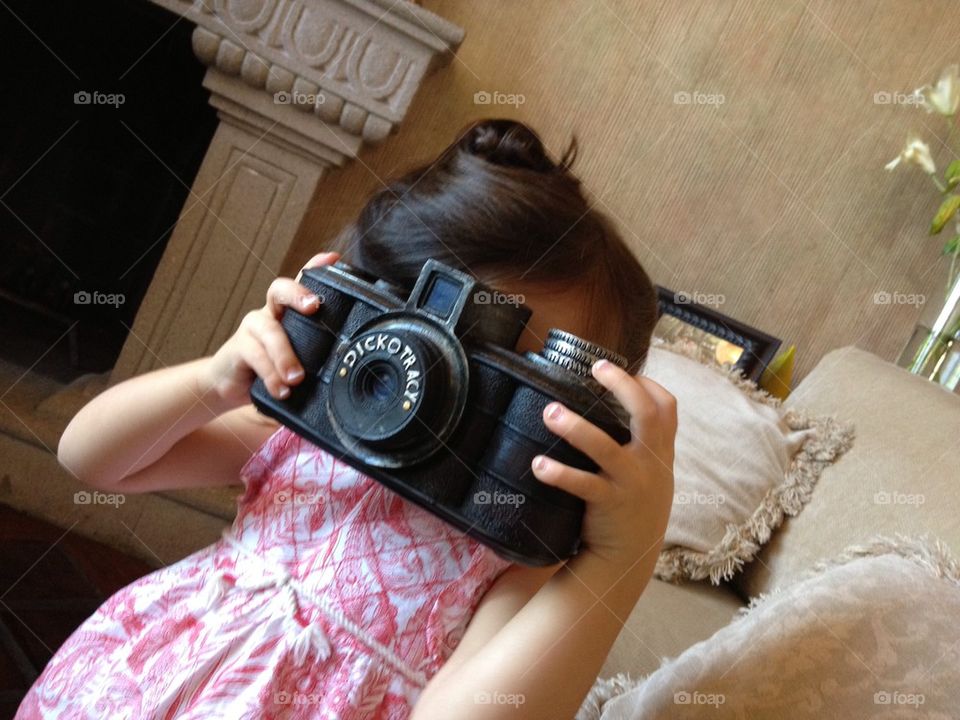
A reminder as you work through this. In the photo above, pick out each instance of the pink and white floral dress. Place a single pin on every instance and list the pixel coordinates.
(329, 597)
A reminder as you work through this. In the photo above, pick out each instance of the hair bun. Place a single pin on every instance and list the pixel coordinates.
(507, 142)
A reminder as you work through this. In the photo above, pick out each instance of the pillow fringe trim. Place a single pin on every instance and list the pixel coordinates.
(932, 554)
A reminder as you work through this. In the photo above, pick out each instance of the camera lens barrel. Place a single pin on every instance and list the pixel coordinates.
(397, 390)
(383, 398)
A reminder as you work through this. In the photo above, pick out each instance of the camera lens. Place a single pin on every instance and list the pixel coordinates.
(382, 389)
(397, 390)
(378, 382)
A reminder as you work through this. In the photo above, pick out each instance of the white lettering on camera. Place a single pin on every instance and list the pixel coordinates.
(393, 346)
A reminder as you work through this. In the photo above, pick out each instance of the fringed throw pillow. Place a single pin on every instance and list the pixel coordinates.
(741, 464)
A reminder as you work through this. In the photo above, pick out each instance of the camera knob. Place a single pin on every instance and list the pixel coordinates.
(576, 354)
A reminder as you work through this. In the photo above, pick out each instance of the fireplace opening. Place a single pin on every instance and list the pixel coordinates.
(104, 128)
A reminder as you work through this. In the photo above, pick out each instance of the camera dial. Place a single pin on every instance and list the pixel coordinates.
(576, 354)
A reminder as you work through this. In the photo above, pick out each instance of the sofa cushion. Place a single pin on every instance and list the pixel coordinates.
(666, 621)
(900, 476)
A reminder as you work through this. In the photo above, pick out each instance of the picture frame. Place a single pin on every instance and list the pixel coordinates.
(714, 336)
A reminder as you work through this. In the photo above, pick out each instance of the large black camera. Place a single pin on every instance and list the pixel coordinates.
(427, 396)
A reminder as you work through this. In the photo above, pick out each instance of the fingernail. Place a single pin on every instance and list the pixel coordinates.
(601, 365)
(294, 375)
(320, 258)
(309, 300)
(554, 411)
(539, 462)
(283, 392)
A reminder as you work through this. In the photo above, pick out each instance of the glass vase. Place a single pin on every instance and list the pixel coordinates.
(934, 349)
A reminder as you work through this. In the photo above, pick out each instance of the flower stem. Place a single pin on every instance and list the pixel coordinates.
(951, 126)
(953, 266)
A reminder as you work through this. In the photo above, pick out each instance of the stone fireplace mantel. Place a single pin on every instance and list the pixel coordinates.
(299, 87)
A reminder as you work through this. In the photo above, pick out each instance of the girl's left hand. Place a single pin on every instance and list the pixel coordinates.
(628, 499)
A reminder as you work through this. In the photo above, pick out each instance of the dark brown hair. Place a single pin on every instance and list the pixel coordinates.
(494, 204)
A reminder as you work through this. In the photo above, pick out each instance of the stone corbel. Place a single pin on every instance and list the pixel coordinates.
(300, 86)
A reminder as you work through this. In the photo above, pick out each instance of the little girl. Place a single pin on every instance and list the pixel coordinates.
(331, 596)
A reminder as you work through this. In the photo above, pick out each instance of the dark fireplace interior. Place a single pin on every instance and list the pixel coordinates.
(105, 126)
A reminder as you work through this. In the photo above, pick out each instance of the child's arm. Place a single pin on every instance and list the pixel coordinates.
(161, 430)
(539, 658)
(190, 425)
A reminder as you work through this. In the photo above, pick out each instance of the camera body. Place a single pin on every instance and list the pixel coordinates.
(427, 396)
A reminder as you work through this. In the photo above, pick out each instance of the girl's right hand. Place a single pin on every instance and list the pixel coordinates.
(260, 346)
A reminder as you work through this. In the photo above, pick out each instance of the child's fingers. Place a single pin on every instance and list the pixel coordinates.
(584, 436)
(636, 400)
(273, 340)
(255, 355)
(318, 260)
(284, 292)
(666, 403)
(587, 486)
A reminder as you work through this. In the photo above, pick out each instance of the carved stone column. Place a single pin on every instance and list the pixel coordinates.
(299, 86)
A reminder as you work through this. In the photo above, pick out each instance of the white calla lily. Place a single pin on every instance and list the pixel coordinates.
(916, 152)
(944, 97)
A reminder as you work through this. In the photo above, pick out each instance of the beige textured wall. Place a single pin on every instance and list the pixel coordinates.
(776, 199)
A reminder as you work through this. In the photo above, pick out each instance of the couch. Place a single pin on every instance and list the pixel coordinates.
(902, 475)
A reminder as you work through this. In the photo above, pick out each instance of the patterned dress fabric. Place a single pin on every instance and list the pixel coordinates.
(329, 597)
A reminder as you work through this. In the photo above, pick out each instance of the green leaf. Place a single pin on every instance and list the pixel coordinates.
(947, 210)
(951, 246)
(952, 174)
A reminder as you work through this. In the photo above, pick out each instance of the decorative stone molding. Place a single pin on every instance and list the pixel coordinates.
(299, 86)
(353, 63)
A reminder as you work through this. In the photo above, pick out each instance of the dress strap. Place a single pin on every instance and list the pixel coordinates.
(291, 588)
